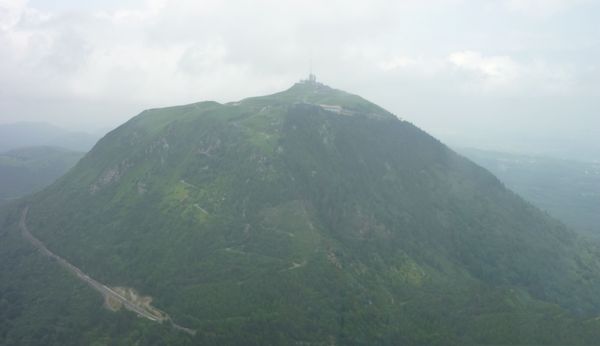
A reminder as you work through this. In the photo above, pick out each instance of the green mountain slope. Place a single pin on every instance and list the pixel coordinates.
(312, 216)
(26, 170)
(568, 190)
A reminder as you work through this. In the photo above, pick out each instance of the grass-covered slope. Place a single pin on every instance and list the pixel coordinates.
(276, 220)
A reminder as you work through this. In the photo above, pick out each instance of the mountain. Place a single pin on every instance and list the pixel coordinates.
(310, 216)
(26, 170)
(568, 190)
(30, 134)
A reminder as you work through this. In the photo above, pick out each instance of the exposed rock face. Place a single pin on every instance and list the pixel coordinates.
(110, 176)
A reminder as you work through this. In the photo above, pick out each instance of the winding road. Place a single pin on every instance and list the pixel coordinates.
(106, 291)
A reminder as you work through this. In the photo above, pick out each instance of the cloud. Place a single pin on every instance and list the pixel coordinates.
(99, 65)
(163, 52)
(491, 70)
(542, 8)
(10, 13)
(504, 75)
(398, 62)
(475, 72)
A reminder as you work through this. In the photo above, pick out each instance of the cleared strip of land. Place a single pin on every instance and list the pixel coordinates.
(107, 292)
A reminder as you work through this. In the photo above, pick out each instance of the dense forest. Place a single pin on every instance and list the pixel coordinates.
(284, 220)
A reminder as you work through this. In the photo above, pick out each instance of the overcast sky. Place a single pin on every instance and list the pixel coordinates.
(504, 74)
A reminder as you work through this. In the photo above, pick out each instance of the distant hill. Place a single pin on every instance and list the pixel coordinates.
(307, 217)
(568, 190)
(27, 170)
(26, 134)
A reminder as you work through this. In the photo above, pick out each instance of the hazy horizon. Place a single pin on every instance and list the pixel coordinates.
(520, 76)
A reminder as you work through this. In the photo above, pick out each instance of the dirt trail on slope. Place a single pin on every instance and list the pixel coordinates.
(114, 297)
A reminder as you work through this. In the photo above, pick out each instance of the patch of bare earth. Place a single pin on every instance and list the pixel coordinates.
(112, 304)
(133, 297)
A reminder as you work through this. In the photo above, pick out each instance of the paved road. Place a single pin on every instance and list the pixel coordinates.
(98, 286)
(101, 288)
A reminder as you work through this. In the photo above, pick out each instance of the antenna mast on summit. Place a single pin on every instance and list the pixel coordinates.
(311, 76)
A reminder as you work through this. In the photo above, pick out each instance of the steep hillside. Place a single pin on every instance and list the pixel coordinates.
(313, 216)
(568, 190)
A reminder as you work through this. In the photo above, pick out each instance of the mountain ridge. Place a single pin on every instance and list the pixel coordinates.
(30, 169)
(33, 134)
(313, 215)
